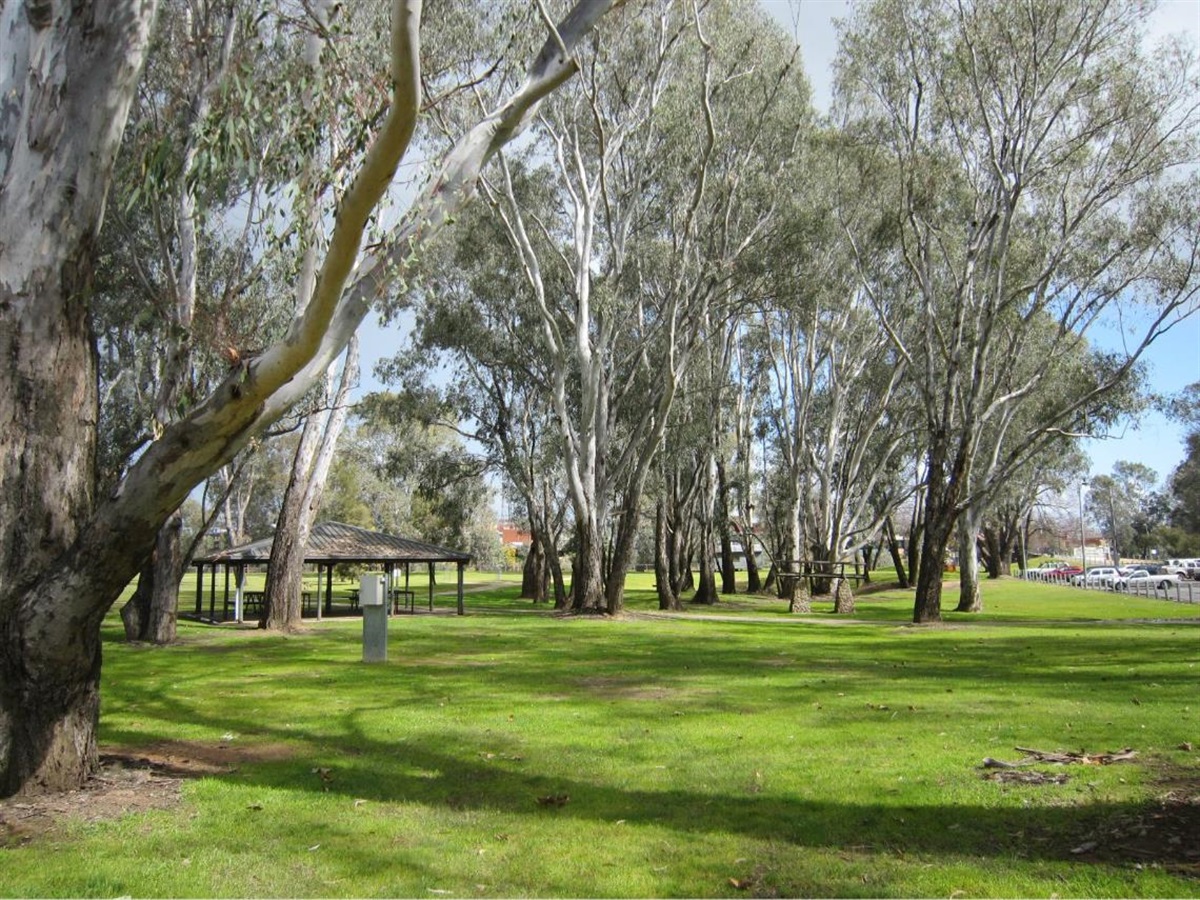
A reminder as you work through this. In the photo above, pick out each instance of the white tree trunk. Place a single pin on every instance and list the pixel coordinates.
(67, 76)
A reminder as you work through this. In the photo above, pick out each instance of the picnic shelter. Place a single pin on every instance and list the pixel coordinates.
(329, 545)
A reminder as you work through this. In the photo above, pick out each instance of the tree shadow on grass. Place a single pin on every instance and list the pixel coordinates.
(422, 771)
(645, 669)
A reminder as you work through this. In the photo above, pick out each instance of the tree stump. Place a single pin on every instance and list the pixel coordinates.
(800, 600)
(843, 598)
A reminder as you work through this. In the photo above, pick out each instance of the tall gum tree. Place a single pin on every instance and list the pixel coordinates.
(473, 367)
(66, 78)
(1035, 156)
(661, 152)
(834, 402)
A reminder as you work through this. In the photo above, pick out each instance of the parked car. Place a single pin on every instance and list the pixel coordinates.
(1097, 576)
(1068, 571)
(1151, 575)
(1179, 566)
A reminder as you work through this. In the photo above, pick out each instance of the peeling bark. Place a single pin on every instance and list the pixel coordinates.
(969, 597)
(66, 83)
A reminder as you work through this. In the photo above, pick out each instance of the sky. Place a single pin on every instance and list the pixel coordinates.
(1173, 361)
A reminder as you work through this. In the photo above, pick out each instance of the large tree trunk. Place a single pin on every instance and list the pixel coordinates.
(285, 570)
(969, 597)
(990, 551)
(823, 565)
(928, 603)
(302, 500)
(706, 588)
(622, 553)
(940, 519)
(706, 511)
(152, 612)
(136, 611)
(754, 583)
(535, 573)
(770, 583)
(587, 572)
(561, 597)
(728, 570)
(678, 553)
(67, 76)
(668, 598)
(889, 532)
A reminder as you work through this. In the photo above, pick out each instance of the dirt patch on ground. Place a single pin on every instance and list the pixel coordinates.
(1159, 834)
(193, 758)
(617, 688)
(127, 781)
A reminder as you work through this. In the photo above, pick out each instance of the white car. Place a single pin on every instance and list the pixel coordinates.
(1097, 576)
(1160, 579)
(1178, 566)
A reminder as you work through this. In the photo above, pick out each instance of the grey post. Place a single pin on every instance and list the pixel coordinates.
(374, 615)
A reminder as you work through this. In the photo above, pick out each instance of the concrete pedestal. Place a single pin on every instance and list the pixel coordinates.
(371, 595)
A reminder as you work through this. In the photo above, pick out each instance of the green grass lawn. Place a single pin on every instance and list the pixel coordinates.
(793, 755)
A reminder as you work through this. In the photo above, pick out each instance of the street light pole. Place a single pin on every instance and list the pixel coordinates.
(1083, 486)
(1112, 518)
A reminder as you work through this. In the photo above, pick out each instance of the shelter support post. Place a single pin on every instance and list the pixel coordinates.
(461, 568)
(239, 598)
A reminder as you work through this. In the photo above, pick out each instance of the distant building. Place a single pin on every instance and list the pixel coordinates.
(514, 536)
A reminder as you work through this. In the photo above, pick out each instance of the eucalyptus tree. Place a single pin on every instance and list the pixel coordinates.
(1034, 152)
(686, 477)
(837, 424)
(1069, 372)
(1116, 501)
(836, 387)
(361, 489)
(68, 77)
(181, 280)
(1184, 482)
(748, 387)
(476, 365)
(449, 500)
(1185, 488)
(302, 499)
(1005, 524)
(237, 486)
(662, 152)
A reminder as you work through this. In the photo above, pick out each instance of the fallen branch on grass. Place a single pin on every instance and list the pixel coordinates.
(1082, 757)
(1045, 756)
(1008, 776)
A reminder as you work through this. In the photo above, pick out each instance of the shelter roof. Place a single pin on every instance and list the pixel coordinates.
(335, 542)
